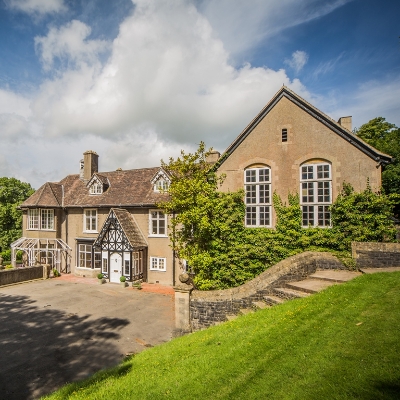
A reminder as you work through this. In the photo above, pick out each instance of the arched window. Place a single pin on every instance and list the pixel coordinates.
(316, 194)
(258, 196)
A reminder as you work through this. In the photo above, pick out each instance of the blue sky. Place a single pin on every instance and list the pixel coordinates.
(139, 80)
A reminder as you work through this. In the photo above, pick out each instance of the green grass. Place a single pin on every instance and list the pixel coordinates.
(343, 343)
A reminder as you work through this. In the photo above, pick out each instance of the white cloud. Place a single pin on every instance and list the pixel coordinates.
(370, 100)
(167, 73)
(168, 84)
(38, 6)
(69, 45)
(242, 25)
(298, 61)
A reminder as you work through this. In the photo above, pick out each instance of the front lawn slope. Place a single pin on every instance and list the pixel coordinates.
(343, 343)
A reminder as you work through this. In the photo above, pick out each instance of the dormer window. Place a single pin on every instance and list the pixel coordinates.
(160, 181)
(96, 188)
(98, 184)
(161, 185)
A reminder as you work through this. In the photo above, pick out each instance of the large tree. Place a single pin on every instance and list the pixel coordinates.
(385, 137)
(12, 193)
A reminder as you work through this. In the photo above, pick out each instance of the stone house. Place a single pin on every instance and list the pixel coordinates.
(291, 146)
(101, 221)
(108, 221)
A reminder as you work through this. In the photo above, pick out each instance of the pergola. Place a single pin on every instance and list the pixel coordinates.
(42, 251)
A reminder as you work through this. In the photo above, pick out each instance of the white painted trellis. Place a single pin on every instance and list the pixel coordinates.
(33, 247)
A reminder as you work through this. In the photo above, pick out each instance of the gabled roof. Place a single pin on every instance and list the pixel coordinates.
(314, 112)
(129, 188)
(125, 223)
(160, 173)
(48, 195)
(98, 178)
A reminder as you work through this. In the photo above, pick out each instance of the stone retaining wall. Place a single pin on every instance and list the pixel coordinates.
(376, 255)
(208, 308)
(10, 276)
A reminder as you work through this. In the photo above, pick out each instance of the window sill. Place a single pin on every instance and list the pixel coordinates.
(90, 232)
(158, 270)
(43, 230)
(158, 236)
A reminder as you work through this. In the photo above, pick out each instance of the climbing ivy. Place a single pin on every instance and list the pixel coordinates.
(207, 225)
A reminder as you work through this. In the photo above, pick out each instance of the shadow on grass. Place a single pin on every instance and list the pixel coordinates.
(41, 348)
(96, 379)
(389, 390)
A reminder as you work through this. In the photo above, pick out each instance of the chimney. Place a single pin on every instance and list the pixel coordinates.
(213, 157)
(89, 165)
(346, 123)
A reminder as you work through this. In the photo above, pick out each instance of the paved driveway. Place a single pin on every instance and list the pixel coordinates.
(65, 329)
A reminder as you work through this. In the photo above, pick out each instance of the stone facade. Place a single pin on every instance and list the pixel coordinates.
(209, 308)
(376, 255)
(288, 133)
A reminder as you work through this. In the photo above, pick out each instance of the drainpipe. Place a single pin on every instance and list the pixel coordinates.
(173, 253)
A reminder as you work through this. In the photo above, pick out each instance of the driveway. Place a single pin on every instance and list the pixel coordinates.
(65, 329)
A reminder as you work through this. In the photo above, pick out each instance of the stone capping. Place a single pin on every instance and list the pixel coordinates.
(376, 254)
(16, 275)
(209, 308)
(302, 264)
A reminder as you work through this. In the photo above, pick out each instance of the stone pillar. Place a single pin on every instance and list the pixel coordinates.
(182, 309)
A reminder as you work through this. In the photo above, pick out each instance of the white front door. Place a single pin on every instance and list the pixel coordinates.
(115, 267)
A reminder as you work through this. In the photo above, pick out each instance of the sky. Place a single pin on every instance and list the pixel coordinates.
(139, 80)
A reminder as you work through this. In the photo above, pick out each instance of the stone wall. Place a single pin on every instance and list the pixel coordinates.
(10, 276)
(208, 308)
(376, 255)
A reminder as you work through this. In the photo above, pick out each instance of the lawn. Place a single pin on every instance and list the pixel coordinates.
(343, 343)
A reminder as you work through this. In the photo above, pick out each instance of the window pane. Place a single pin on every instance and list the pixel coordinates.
(127, 267)
(307, 172)
(251, 216)
(308, 215)
(105, 265)
(251, 175)
(161, 227)
(263, 175)
(264, 216)
(251, 194)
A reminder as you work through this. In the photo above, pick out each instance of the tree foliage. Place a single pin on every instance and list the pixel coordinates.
(208, 225)
(385, 137)
(12, 193)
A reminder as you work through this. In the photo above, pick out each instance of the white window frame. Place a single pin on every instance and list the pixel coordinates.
(127, 263)
(161, 185)
(158, 264)
(90, 216)
(33, 219)
(258, 197)
(96, 188)
(158, 219)
(104, 265)
(91, 256)
(41, 219)
(316, 194)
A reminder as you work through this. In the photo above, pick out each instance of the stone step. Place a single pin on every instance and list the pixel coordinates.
(272, 300)
(260, 305)
(375, 270)
(287, 294)
(335, 275)
(231, 317)
(245, 311)
(310, 285)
